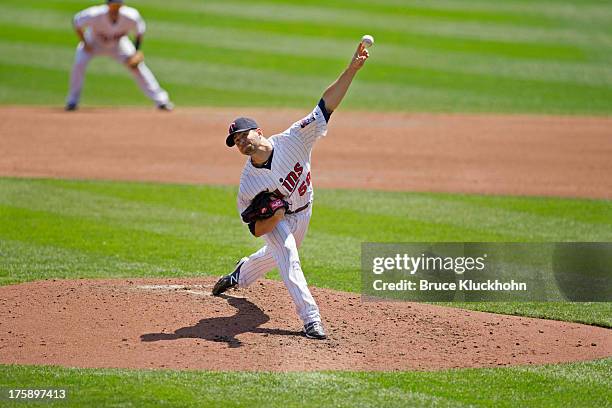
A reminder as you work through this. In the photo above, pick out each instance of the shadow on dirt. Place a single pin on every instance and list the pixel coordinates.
(225, 329)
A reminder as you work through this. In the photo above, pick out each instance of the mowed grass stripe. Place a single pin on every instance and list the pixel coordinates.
(110, 84)
(404, 16)
(382, 24)
(191, 256)
(50, 86)
(505, 15)
(199, 225)
(52, 19)
(580, 11)
(578, 384)
(534, 219)
(27, 84)
(103, 85)
(228, 38)
(575, 36)
(197, 62)
(598, 213)
(192, 58)
(301, 53)
(430, 86)
(149, 229)
(594, 313)
(28, 261)
(468, 216)
(265, 21)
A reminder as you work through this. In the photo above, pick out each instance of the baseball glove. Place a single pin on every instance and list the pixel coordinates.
(135, 59)
(263, 206)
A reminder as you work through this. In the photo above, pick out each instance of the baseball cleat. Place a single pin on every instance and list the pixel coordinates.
(314, 330)
(228, 281)
(70, 107)
(168, 107)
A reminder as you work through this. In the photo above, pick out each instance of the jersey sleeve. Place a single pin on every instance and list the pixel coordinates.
(82, 18)
(243, 203)
(137, 24)
(312, 127)
(141, 27)
(243, 199)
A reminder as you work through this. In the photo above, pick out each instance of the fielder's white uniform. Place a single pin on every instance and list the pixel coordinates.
(110, 39)
(288, 172)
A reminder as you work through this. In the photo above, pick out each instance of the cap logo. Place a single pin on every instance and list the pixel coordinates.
(232, 127)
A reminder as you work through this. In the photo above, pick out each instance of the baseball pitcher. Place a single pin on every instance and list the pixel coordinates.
(103, 30)
(276, 193)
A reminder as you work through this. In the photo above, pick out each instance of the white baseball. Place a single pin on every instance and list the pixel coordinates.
(367, 40)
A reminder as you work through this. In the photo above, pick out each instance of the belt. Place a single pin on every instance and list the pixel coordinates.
(298, 210)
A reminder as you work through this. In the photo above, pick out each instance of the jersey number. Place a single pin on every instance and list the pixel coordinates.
(304, 186)
(293, 177)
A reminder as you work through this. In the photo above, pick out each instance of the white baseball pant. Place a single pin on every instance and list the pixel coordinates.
(120, 51)
(281, 250)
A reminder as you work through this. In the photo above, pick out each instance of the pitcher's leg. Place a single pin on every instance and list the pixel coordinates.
(256, 266)
(284, 250)
(77, 75)
(262, 261)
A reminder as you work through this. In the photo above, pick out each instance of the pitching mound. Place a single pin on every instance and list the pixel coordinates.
(175, 323)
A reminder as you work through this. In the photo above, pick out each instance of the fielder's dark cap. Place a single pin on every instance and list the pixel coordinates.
(114, 1)
(239, 125)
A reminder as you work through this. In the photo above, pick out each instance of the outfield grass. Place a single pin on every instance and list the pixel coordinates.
(512, 56)
(73, 229)
(97, 229)
(585, 384)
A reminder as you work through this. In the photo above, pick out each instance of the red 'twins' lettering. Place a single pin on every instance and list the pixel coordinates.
(298, 169)
(293, 177)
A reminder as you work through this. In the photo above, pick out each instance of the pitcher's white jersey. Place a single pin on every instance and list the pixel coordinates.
(100, 30)
(289, 170)
(287, 173)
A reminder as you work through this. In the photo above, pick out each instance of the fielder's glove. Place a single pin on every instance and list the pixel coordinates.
(263, 206)
(135, 59)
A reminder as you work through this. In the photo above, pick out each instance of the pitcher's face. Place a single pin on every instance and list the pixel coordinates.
(248, 141)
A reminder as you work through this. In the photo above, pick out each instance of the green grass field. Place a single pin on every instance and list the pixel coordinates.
(578, 385)
(72, 229)
(512, 56)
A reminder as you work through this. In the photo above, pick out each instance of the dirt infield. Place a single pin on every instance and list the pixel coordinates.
(175, 323)
(493, 154)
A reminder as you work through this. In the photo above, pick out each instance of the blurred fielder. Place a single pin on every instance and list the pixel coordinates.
(103, 30)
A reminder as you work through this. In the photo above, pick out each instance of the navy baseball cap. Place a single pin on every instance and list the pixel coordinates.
(239, 125)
